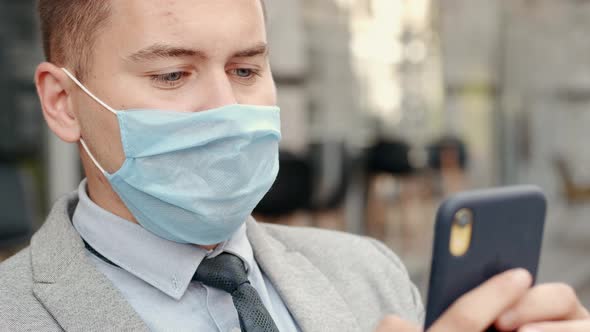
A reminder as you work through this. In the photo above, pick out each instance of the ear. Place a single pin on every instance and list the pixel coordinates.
(54, 87)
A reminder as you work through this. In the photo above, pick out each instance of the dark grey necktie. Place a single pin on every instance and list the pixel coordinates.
(228, 273)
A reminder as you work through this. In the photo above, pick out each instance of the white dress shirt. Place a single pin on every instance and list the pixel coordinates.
(155, 275)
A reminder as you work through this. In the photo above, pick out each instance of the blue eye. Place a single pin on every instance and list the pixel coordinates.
(170, 77)
(244, 72)
(170, 80)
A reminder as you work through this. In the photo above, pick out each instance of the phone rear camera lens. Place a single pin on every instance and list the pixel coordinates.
(463, 218)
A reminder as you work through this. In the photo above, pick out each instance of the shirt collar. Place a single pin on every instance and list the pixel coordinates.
(164, 264)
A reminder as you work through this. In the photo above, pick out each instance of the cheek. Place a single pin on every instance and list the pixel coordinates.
(273, 96)
(100, 130)
(264, 93)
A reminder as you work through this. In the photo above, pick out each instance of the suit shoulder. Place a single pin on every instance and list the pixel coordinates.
(16, 268)
(381, 281)
(330, 244)
(16, 280)
(19, 309)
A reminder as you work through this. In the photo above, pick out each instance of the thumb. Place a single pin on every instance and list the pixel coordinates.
(396, 324)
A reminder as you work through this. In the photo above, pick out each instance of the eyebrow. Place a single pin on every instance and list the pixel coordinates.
(259, 49)
(159, 51)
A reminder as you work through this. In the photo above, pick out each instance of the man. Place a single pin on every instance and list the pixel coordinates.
(171, 102)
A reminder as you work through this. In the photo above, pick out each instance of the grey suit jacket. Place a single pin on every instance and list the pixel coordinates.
(330, 281)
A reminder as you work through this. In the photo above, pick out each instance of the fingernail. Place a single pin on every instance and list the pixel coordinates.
(508, 319)
(521, 276)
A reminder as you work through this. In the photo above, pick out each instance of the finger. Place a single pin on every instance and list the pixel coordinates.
(547, 302)
(478, 309)
(396, 324)
(569, 326)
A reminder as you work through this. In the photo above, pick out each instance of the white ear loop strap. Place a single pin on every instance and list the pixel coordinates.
(81, 86)
(92, 157)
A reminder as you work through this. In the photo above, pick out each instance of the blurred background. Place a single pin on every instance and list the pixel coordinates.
(388, 107)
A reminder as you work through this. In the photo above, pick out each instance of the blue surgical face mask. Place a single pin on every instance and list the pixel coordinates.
(194, 177)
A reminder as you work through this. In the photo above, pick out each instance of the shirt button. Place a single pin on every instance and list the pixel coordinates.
(174, 283)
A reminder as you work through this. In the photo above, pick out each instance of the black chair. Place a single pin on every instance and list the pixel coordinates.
(292, 189)
(331, 166)
(390, 156)
(16, 206)
(310, 182)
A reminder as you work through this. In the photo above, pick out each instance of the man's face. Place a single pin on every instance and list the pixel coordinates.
(181, 55)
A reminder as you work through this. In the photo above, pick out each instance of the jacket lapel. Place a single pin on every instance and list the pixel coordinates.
(73, 291)
(309, 295)
(80, 298)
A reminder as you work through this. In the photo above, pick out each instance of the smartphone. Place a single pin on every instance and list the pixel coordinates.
(480, 234)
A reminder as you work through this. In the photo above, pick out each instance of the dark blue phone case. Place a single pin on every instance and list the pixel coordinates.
(507, 233)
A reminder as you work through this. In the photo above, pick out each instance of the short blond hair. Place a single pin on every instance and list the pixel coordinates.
(69, 28)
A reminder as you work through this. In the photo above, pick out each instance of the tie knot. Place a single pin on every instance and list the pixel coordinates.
(226, 272)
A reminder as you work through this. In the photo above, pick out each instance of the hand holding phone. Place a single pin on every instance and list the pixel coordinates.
(549, 307)
(479, 235)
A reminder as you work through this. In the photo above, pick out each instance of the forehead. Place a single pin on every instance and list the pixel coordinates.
(209, 25)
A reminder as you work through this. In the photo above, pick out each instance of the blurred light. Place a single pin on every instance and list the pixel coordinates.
(385, 99)
(416, 51)
(416, 13)
(377, 37)
(378, 50)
